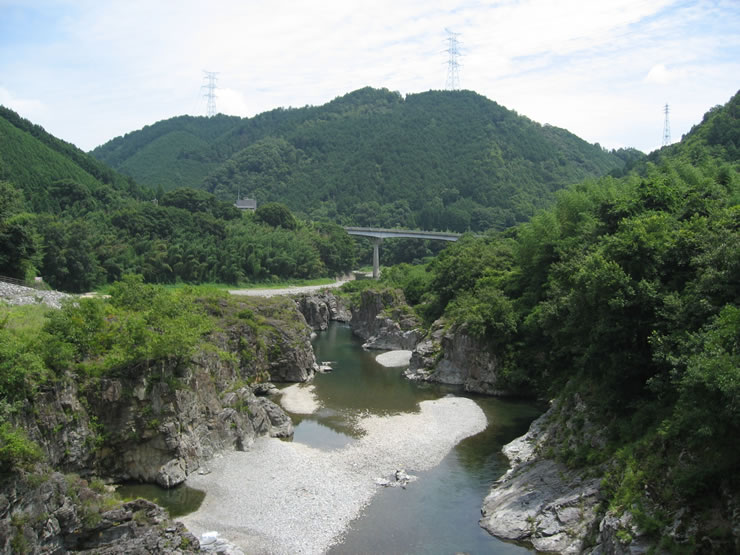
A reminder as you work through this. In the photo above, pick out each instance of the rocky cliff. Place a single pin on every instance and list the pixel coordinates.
(155, 422)
(453, 356)
(54, 513)
(321, 308)
(564, 508)
(384, 320)
(540, 501)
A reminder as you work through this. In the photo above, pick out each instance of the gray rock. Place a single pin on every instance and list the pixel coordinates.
(541, 501)
(453, 356)
(320, 308)
(384, 321)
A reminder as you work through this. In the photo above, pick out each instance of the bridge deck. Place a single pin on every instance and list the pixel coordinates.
(407, 233)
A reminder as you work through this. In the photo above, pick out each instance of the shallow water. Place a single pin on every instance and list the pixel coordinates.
(438, 513)
(178, 501)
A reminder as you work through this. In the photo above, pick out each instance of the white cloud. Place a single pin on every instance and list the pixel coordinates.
(30, 108)
(597, 68)
(661, 75)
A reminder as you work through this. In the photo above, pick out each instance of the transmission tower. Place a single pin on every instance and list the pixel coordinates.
(453, 67)
(210, 94)
(666, 128)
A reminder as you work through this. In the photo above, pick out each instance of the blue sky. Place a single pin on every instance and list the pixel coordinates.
(89, 71)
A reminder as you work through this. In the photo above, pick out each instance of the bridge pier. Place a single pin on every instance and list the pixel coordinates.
(376, 256)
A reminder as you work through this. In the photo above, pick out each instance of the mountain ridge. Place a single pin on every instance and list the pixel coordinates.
(439, 159)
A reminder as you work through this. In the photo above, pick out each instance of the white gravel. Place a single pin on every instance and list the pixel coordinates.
(282, 497)
(19, 295)
(286, 290)
(300, 399)
(394, 359)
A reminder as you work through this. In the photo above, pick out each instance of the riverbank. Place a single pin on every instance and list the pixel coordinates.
(282, 497)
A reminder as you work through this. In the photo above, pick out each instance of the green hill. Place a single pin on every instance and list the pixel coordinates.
(42, 166)
(79, 224)
(439, 160)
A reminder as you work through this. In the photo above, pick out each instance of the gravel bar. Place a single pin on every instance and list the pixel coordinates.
(300, 399)
(394, 359)
(282, 497)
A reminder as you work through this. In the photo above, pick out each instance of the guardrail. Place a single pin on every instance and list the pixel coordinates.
(23, 283)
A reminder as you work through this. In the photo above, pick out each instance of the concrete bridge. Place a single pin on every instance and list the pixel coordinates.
(377, 235)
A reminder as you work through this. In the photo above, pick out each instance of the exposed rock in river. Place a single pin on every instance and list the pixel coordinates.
(385, 321)
(320, 308)
(65, 514)
(453, 356)
(539, 500)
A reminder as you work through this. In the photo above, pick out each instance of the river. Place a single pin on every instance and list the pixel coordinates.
(439, 512)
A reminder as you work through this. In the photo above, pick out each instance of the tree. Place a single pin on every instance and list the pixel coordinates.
(275, 214)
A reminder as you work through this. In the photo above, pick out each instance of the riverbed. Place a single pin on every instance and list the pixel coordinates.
(319, 493)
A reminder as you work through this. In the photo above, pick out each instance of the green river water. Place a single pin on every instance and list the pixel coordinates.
(436, 514)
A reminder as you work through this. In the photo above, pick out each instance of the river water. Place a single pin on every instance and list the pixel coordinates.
(438, 513)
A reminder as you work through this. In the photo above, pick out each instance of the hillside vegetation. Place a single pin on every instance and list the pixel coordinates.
(79, 224)
(436, 160)
(625, 295)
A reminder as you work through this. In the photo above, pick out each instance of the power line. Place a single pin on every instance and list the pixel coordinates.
(453, 66)
(666, 128)
(210, 86)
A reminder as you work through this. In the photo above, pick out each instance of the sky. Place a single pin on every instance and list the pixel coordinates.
(91, 70)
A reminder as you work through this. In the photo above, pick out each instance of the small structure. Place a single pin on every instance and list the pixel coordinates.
(246, 204)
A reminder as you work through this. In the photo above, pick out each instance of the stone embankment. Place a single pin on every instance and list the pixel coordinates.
(20, 295)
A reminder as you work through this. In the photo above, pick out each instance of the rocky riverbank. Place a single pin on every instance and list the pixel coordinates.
(283, 497)
(154, 423)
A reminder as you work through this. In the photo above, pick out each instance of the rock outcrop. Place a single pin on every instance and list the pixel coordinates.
(385, 321)
(453, 356)
(541, 501)
(65, 514)
(320, 308)
(161, 422)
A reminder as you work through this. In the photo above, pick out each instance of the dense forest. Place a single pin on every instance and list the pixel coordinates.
(625, 294)
(436, 160)
(77, 223)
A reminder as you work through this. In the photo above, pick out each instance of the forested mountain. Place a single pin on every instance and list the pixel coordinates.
(79, 224)
(438, 160)
(623, 300)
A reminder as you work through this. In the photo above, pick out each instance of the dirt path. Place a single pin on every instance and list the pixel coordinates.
(286, 290)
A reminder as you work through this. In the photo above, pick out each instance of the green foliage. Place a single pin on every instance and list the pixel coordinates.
(626, 293)
(276, 215)
(16, 450)
(90, 226)
(438, 160)
(140, 326)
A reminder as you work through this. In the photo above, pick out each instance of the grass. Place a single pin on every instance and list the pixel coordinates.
(24, 320)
